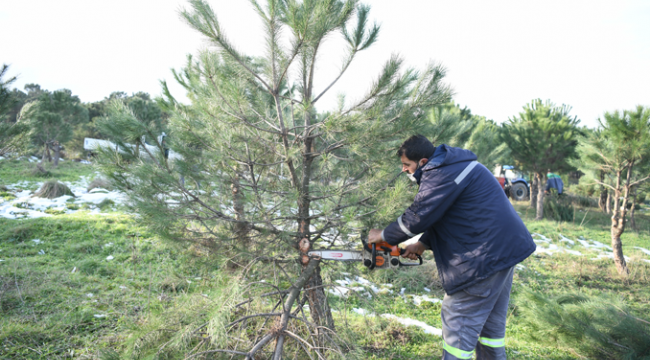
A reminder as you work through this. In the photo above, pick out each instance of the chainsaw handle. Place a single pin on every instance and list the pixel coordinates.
(374, 257)
(412, 264)
(402, 251)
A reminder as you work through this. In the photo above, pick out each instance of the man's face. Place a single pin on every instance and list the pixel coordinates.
(409, 166)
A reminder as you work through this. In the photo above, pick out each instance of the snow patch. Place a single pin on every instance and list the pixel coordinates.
(645, 251)
(26, 206)
(363, 312)
(608, 256)
(567, 240)
(339, 291)
(419, 299)
(428, 329)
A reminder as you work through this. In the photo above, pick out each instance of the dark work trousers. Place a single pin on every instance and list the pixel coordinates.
(474, 319)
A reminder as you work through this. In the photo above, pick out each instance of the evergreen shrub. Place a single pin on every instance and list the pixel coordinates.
(558, 207)
(599, 327)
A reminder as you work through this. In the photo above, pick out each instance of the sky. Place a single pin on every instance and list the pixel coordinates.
(592, 55)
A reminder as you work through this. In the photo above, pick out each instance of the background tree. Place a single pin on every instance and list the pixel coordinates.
(305, 178)
(12, 134)
(457, 126)
(51, 120)
(6, 99)
(543, 137)
(621, 148)
(137, 118)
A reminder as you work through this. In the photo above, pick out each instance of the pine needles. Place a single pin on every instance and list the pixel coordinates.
(598, 326)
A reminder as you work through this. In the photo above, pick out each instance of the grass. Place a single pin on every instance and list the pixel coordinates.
(14, 171)
(63, 295)
(105, 287)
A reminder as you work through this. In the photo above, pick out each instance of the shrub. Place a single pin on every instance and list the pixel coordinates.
(599, 326)
(558, 207)
(53, 189)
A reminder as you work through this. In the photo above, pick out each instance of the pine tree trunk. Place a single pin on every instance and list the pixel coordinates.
(602, 201)
(618, 227)
(46, 154)
(533, 193)
(321, 313)
(241, 229)
(57, 153)
(540, 196)
(44, 157)
(632, 221)
(608, 204)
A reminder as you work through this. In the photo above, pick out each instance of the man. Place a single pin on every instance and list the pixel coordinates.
(476, 236)
(554, 181)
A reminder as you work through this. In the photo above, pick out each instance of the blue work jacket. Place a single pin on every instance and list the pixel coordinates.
(465, 217)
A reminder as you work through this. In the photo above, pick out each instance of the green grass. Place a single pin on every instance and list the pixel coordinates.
(53, 289)
(153, 294)
(13, 171)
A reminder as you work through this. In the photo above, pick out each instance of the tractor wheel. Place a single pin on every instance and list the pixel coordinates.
(519, 191)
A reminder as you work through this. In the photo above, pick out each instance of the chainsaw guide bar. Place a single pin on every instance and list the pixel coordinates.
(380, 255)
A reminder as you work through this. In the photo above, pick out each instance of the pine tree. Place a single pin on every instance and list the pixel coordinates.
(459, 127)
(601, 327)
(12, 134)
(543, 137)
(51, 120)
(264, 171)
(137, 119)
(622, 149)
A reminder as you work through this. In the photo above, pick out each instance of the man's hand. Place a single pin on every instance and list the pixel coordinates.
(374, 236)
(413, 250)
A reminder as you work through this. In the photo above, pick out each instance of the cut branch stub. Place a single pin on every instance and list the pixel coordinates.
(304, 247)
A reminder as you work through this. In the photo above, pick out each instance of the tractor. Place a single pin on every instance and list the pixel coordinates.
(512, 182)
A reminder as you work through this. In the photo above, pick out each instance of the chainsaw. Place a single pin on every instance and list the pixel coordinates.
(381, 255)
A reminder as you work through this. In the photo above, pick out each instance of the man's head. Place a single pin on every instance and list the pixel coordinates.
(415, 152)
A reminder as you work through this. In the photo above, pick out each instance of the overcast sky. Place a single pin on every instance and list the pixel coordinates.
(592, 55)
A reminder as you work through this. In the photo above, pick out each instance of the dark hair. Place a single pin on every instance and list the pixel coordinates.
(416, 147)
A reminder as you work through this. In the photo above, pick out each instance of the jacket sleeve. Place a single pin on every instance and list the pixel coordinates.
(437, 193)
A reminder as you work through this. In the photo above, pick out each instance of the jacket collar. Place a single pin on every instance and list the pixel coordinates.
(434, 161)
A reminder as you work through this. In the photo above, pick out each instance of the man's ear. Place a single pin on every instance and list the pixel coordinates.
(423, 161)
